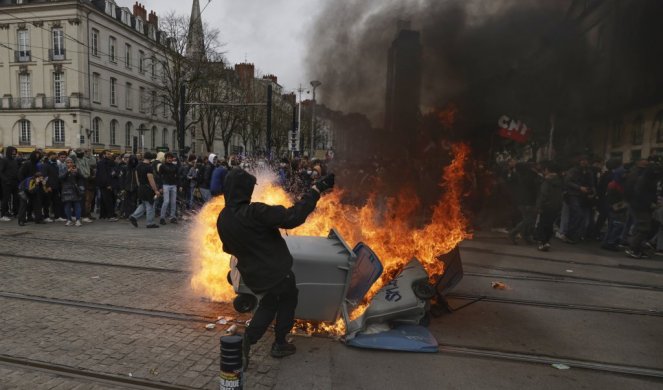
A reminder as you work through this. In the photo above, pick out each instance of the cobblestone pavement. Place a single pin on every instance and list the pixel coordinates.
(92, 269)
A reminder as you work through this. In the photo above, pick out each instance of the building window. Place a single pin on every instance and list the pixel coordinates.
(126, 17)
(127, 96)
(111, 48)
(110, 8)
(153, 66)
(113, 132)
(141, 61)
(95, 43)
(96, 126)
(58, 88)
(164, 137)
(164, 105)
(58, 131)
(24, 135)
(95, 87)
(128, 129)
(58, 44)
(113, 85)
(153, 102)
(141, 99)
(617, 133)
(127, 56)
(153, 137)
(25, 90)
(658, 127)
(139, 26)
(23, 54)
(638, 131)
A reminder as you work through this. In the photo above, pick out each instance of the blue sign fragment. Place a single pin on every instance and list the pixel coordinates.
(408, 338)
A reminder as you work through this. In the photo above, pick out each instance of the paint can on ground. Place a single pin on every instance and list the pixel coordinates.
(230, 376)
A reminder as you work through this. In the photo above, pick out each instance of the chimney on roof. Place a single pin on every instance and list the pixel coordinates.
(271, 77)
(140, 11)
(245, 71)
(153, 19)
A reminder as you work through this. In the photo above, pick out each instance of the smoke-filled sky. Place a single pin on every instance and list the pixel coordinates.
(466, 44)
(270, 33)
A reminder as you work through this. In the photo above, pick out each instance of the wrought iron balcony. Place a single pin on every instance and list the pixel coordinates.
(22, 103)
(56, 102)
(56, 55)
(22, 56)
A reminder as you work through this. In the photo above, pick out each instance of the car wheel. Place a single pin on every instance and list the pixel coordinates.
(423, 290)
(245, 303)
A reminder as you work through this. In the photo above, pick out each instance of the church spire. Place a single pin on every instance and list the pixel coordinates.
(196, 40)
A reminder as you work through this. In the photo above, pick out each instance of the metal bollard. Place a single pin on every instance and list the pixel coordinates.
(230, 376)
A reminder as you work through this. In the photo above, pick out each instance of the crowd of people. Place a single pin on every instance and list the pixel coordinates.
(76, 187)
(617, 204)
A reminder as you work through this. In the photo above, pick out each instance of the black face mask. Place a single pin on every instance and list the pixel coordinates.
(79, 155)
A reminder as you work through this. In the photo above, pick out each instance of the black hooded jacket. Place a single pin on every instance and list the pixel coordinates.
(9, 168)
(250, 231)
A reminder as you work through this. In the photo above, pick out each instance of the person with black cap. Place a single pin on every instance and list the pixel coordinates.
(250, 232)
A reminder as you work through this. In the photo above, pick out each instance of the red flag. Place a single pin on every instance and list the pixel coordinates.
(512, 129)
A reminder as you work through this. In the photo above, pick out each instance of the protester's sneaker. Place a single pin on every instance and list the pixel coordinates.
(60, 220)
(86, 220)
(282, 350)
(69, 223)
(658, 253)
(565, 239)
(246, 351)
(113, 219)
(173, 220)
(162, 221)
(133, 221)
(544, 247)
(648, 245)
(5, 219)
(631, 253)
(48, 220)
(152, 226)
(78, 223)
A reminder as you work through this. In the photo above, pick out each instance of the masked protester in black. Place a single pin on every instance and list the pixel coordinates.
(250, 232)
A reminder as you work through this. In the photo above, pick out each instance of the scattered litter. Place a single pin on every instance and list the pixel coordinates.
(210, 326)
(95, 277)
(231, 330)
(154, 371)
(131, 375)
(569, 271)
(499, 285)
(560, 366)
(222, 321)
(248, 322)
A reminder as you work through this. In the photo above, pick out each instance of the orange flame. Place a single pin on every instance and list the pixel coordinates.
(381, 223)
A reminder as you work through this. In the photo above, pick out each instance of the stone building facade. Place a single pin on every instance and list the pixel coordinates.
(81, 74)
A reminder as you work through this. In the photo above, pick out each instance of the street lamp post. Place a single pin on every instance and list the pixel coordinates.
(315, 84)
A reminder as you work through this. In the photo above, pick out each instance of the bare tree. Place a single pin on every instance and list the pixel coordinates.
(178, 70)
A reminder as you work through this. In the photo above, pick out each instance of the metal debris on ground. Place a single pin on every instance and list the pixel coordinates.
(560, 366)
(569, 271)
(231, 330)
(210, 326)
(499, 285)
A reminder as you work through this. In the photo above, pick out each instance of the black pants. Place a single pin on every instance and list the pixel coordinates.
(544, 229)
(52, 202)
(32, 203)
(642, 221)
(280, 301)
(9, 194)
(129, 203)
(107, 206)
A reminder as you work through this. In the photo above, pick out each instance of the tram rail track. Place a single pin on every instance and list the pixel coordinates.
(87, 375)
(459, 350)
(553, 305)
